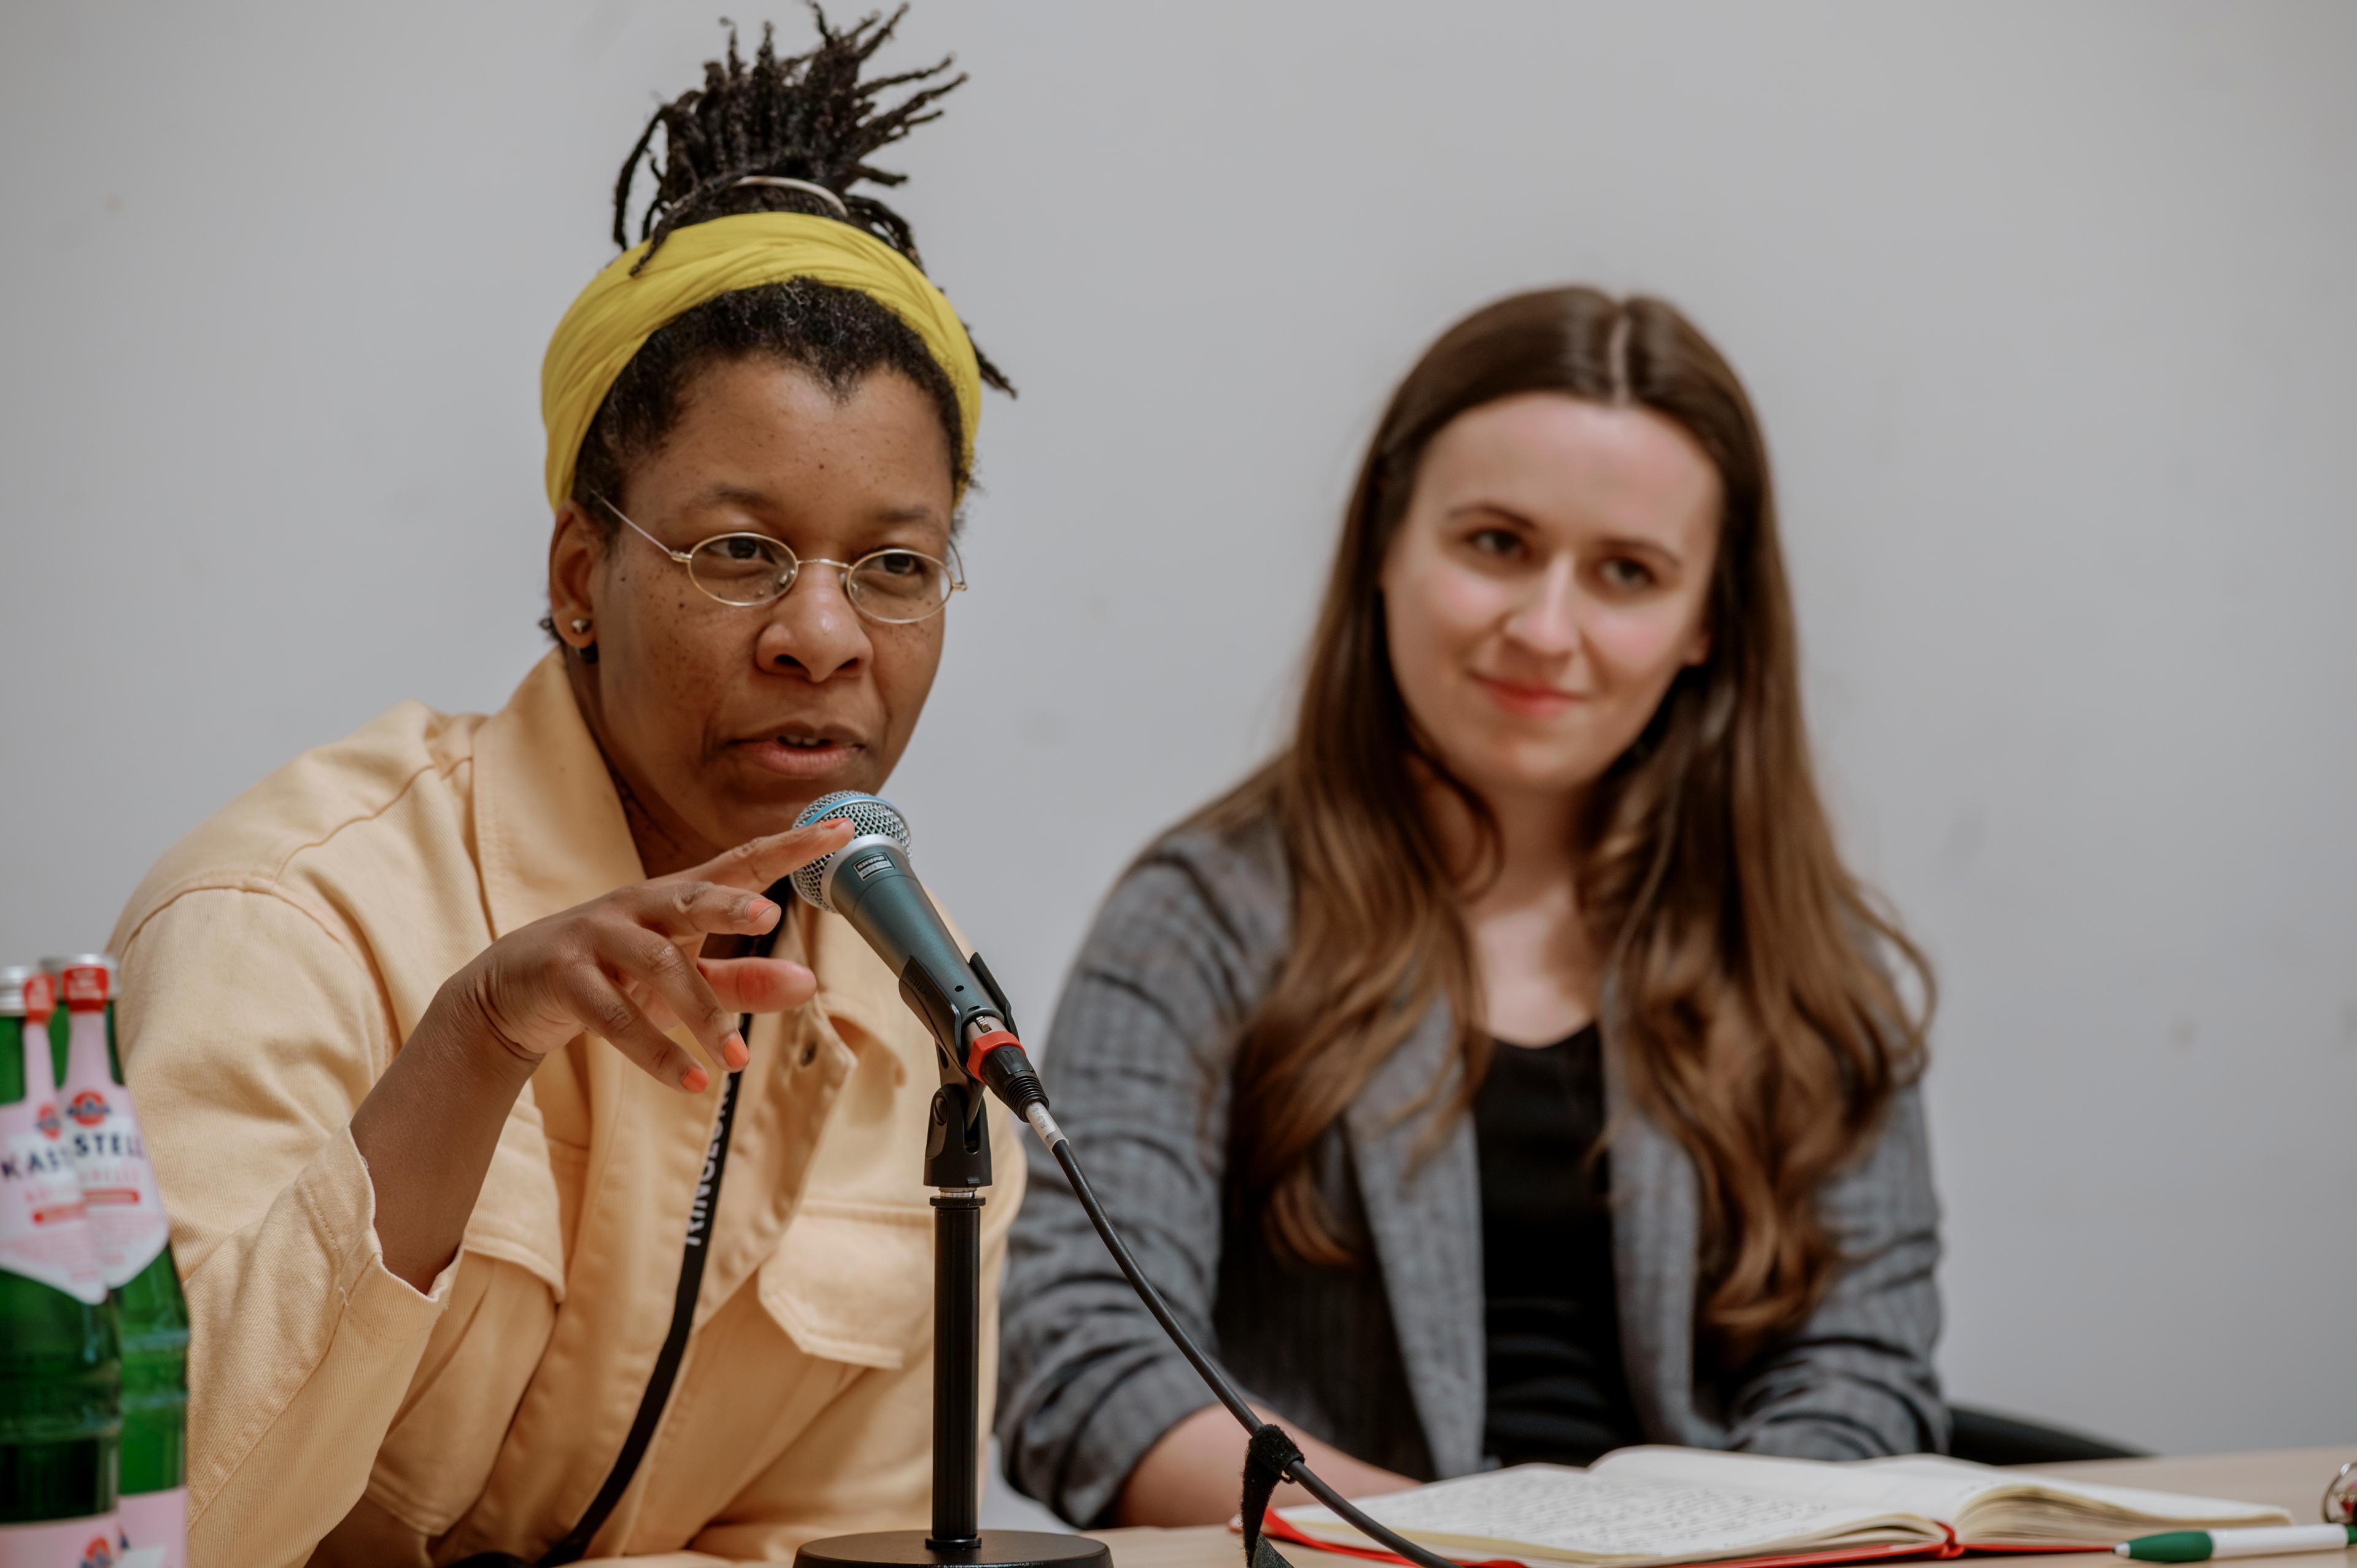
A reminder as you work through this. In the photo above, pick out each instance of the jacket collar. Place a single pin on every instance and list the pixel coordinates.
(548, 828)
(1424, 1211)
(1656, 1240)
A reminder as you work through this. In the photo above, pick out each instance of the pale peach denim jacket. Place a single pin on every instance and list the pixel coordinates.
(272, 964)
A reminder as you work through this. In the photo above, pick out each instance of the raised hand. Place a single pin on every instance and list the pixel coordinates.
(628, 966)
(624, 967)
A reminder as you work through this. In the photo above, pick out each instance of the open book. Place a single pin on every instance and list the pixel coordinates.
(1642, 1506)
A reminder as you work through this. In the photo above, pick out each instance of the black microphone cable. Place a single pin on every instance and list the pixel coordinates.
(955, 995)
(1295, 1468)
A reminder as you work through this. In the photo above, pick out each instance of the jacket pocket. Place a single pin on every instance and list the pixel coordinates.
(854, 1282)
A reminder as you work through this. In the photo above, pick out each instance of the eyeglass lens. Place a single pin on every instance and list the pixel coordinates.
(742, 568)
(895, 585)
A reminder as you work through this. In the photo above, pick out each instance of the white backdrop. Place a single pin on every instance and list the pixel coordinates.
(2049, 311)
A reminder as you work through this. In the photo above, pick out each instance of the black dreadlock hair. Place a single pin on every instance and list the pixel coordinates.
(807, 117)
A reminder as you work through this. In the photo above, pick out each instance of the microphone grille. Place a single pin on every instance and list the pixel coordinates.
(867, 814)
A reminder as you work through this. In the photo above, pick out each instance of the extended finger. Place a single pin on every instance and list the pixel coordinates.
(653, 965)
(605, 1011)
(680, 907)
(756, 863)
(759, 984)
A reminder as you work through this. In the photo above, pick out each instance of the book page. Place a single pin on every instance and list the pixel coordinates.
(1548, 1511)
(1979, 1502)
(2021, 1507)
(1931, 1474)
(1938, 1491)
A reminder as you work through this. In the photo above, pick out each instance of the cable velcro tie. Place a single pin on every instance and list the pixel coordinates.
(1268, 1455)
(983, 1045)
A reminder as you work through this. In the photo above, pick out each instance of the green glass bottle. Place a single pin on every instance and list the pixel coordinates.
(59, 1361)
(134, 1253)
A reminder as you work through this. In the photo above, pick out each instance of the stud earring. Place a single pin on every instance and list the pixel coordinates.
(588, 650)
(580, 625)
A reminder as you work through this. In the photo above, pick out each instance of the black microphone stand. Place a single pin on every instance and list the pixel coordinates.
(895, 920)
(957, 1168)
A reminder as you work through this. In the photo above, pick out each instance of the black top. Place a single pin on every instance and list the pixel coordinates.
(1557, 1390)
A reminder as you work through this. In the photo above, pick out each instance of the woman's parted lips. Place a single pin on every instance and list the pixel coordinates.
(802, 750)
(806, 732)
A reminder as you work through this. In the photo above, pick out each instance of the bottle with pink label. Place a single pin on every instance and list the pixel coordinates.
(134, 1255)
(59, 1363)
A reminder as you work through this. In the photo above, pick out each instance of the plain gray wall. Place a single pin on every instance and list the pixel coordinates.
(2048, 310)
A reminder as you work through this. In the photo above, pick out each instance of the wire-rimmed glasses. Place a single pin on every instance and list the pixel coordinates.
(895, 585)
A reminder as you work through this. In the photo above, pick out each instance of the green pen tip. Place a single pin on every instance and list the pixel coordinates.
(2170, 1546)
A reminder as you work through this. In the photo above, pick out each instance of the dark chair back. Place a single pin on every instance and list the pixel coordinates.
(1987, 1437)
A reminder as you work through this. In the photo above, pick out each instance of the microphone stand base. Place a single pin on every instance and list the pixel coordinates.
(995, 1549)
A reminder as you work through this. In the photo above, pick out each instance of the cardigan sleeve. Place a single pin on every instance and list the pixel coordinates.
(1855, 1381)
(302, 1344)
(1137, 1062)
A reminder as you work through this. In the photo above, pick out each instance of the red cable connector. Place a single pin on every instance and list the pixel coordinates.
(983, 1045)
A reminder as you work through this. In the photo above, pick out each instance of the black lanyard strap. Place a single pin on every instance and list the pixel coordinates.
(700, 1214)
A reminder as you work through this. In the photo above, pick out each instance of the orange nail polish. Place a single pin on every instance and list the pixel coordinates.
(695, 1081)
(734, 1051)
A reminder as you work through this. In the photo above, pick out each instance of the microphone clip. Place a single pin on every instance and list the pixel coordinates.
(957, 1139)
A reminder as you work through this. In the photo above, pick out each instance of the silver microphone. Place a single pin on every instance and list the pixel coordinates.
(871, 885)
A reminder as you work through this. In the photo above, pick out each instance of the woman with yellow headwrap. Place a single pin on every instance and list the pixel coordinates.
(436, 1030)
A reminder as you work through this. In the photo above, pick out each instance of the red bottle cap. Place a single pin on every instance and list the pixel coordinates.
(85, 986)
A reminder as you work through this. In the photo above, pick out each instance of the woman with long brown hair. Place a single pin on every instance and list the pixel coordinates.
(1509, 1069)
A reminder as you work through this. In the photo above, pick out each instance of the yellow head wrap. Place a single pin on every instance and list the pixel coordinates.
(617, 313)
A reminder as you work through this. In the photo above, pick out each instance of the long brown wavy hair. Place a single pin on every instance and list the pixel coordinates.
(1744, 966)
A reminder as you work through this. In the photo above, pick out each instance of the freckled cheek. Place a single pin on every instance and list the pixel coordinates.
(905, 660)
(685, 658)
